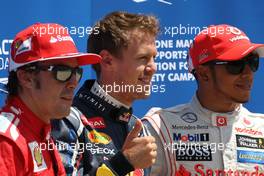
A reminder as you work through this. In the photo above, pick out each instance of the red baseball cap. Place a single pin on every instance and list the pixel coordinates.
(41, 42)
(221, 42)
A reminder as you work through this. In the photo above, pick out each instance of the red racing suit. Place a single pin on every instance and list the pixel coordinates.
(195, 141)
(26, 147)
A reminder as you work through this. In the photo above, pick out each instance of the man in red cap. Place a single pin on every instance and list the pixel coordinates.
(213, 134)
(43, 73)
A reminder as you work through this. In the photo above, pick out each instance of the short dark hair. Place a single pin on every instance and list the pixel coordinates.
(111, 33)
(12, 84)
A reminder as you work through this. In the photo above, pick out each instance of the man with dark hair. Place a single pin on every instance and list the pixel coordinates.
(126, 43)
(43, 73)
(213, 134)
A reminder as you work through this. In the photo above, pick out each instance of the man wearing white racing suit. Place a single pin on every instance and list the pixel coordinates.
(213, 134)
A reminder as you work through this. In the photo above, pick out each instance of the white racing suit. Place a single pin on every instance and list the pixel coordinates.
(195, 141)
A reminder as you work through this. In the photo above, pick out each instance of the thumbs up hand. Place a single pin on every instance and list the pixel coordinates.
(139, 151)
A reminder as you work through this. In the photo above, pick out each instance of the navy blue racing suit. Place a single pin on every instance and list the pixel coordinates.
(98, 125)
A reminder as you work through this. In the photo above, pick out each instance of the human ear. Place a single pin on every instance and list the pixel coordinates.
(203, 73)
(107, 60)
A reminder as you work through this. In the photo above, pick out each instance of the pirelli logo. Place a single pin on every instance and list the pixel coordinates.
(249, 142)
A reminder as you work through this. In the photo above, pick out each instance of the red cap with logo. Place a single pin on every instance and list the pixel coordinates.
(221, 42)
(41, 42)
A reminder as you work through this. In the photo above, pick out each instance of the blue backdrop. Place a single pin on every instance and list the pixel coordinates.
(180, 21)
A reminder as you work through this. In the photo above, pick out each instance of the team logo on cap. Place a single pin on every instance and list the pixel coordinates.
(203, 55)
(235, 31)
(53, 39)
(18, 43)
(59, 38)
(238, 33)
(22, 47)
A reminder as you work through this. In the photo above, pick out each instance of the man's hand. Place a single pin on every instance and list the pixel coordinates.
(139, 151)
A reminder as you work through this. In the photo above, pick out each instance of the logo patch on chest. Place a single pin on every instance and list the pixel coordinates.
(37, 157)
(194, 152)
(99, 137)
(249, 142)
(244, 156)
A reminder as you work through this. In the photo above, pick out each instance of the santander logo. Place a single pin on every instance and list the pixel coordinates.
(59, 38)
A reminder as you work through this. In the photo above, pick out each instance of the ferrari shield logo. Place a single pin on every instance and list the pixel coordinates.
(37, 157)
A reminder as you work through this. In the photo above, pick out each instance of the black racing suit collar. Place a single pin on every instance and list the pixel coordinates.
(100, 92)
(93, 95)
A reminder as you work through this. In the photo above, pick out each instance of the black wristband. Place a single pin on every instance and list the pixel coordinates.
(120, 160)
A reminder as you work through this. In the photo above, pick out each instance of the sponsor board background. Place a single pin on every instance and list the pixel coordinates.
(180, 21)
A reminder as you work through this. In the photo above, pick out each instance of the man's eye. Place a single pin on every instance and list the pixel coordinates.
(143, 58)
